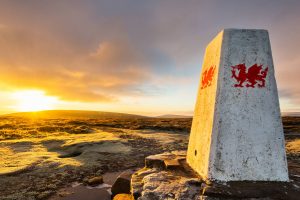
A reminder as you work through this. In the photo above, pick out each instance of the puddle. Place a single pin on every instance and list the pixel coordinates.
(77, 191)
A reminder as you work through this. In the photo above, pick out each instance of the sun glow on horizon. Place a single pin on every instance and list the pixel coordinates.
(33, 100)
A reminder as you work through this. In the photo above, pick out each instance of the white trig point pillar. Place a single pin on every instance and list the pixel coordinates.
(237, 132)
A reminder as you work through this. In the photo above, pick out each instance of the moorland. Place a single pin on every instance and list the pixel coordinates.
(42, 152)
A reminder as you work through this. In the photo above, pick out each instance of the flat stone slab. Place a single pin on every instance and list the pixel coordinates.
(165, 160)
(169, 164)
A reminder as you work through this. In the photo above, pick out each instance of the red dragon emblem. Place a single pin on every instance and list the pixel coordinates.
(255, 74)
(207, 77)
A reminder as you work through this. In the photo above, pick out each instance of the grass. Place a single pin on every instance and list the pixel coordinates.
(19, 127)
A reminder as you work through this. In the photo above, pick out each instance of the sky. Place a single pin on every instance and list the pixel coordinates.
(133, 56)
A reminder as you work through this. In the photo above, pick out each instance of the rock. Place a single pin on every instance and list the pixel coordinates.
(179, 153)
(157, 161)
(122, 184)
(99, 172)
(162, 183)
(181, 183)
(171, 164)
(95, 181)
(137, 181)
(123, 197)
(168, 185)
(165, 160)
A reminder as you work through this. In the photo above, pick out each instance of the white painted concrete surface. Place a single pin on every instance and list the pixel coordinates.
(237, 130)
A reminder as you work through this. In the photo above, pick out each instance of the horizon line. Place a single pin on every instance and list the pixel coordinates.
(284, 113)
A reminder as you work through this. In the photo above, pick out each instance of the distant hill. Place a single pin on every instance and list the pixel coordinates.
(69, 114)
(174, 116)
(65, 114)
(291, 114)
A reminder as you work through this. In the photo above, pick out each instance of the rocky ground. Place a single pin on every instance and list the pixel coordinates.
(43, 156)
(168, 176)
(39, 157)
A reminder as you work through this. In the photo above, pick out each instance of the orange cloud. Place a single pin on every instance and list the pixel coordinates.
(33, 61)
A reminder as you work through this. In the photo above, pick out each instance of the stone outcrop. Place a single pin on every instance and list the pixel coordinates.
(167, 176)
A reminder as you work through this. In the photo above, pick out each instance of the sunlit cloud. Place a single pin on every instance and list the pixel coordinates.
(132, 55)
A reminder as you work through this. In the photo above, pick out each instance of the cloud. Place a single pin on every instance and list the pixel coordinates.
(69, 55)
(120, 62)
(29, 60)
(100, 51)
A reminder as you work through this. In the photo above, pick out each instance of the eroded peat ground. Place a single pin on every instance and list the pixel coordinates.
(40, 156)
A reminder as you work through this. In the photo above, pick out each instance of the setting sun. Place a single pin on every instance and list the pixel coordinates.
(33, 100)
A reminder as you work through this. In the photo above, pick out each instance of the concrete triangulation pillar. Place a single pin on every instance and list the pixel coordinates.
(237, 132)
